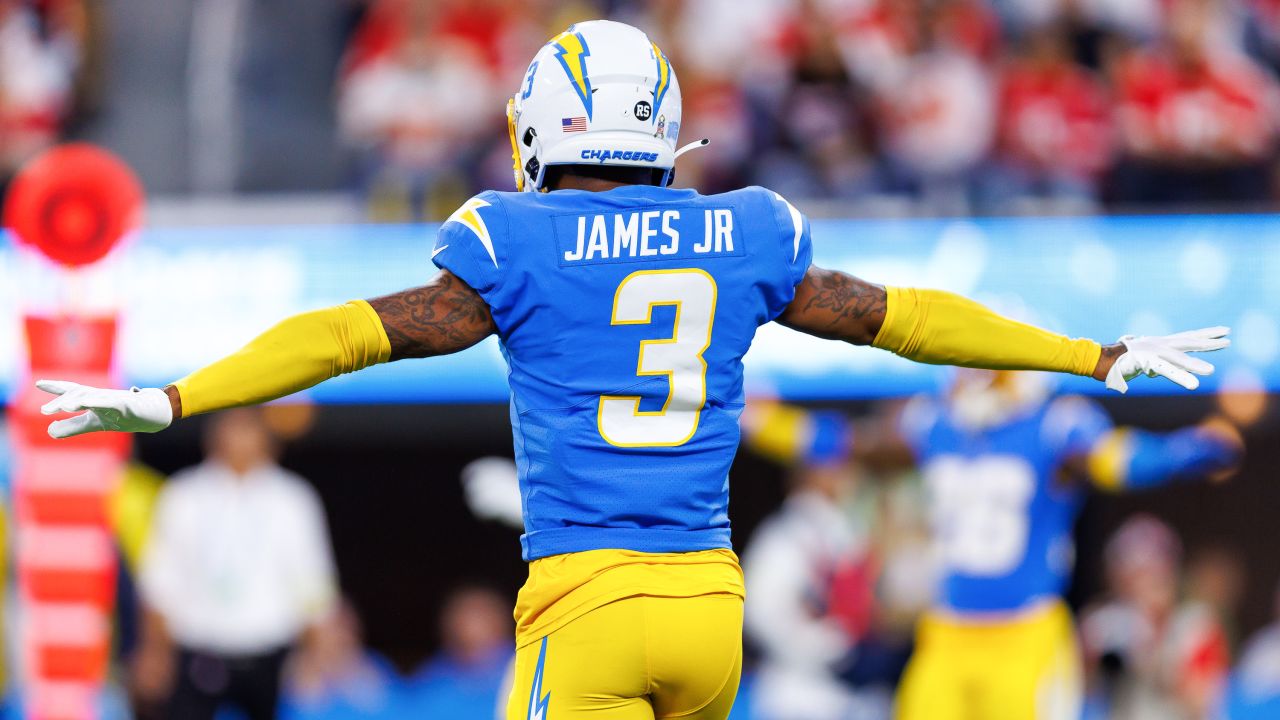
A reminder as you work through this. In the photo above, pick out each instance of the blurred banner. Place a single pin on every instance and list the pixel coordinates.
(191, 295)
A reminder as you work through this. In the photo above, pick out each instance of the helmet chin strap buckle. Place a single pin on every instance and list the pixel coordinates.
(670, 177)
(693, 146)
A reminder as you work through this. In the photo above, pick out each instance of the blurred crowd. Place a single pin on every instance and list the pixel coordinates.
(943, 105)
(230, 605)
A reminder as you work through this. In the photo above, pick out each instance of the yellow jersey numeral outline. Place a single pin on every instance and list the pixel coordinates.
(640, 372)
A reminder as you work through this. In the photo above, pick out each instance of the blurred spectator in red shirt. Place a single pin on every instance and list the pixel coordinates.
(1195, 116)
(417, 102)
(880, 37)
(1053, 134)
(937, 120)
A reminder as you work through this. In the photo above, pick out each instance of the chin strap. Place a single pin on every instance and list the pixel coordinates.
(670, 177)
(692, 146)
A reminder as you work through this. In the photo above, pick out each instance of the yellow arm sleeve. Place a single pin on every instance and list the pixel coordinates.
(942, 328)
(1108, 462)
(779, 432)
(299, 352)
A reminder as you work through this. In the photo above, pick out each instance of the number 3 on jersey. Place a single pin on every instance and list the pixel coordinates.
(693, 293)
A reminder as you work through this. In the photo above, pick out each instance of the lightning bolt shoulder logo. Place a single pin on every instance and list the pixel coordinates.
(469, 216)
(664, 79)
(537, 701)
(572, 52)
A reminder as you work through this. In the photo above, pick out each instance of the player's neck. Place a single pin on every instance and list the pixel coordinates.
(590, 184)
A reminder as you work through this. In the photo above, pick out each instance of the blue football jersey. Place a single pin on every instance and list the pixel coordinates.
(1002, 514)
(623, 317)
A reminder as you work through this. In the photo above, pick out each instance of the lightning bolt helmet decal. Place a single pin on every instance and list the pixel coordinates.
(572, 52)
(663, 82)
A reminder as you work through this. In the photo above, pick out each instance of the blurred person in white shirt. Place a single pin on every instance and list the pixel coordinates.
(238, 569)
(811, 577)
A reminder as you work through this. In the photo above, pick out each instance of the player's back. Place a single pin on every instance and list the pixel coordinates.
(624, 316)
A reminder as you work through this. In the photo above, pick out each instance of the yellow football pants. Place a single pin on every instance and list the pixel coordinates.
(1027, 668)
(640, 658)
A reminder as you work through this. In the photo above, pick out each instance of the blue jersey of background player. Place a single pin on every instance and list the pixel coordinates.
(1005, 491)
(658, 295)
(1006, 469)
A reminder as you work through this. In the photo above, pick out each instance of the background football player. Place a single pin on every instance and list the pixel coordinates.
(624, 309)
(1006, 467)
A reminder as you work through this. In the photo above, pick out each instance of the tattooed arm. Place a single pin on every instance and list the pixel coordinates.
(935, 327)
(836, 306)
(441, 317)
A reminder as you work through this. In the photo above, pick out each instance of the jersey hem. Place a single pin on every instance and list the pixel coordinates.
(558, 541)
(973, 613)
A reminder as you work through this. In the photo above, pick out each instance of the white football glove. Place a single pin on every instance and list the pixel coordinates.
(146, 410)
(1167, 356)
(493, 491)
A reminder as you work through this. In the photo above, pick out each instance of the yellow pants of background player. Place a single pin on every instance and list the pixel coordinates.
(1024, 668)
(639, 658)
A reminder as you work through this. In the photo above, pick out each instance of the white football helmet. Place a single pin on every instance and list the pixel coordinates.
(599, 93)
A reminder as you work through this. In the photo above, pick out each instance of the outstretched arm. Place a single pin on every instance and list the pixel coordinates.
(792, 435)
(934, 327)
(441, 317)
(1133, 459)
(942, 328)
(837, 306)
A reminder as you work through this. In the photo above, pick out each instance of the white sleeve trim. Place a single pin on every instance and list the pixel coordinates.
(797, 222)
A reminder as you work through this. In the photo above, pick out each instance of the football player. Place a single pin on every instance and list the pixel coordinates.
(623, 308)
(1006, 467)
